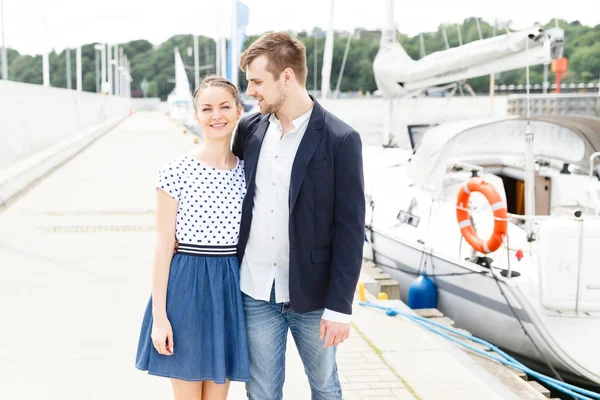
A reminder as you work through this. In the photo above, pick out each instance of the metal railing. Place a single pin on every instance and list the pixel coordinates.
(555, 104)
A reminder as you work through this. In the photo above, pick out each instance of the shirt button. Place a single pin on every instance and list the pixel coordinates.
(274, 264)
(276, 156)
(271, 210)
(272, 237)
(273, 183)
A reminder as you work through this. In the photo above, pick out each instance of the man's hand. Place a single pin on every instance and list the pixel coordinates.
(334, 332)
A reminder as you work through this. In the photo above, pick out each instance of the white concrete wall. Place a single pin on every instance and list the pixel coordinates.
(34, 117)
(163, 107)
(146, 104)
(366, 114)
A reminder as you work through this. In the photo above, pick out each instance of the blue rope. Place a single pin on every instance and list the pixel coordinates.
(572, 390)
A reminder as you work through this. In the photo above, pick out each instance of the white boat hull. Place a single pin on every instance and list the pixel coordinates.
(476, 303)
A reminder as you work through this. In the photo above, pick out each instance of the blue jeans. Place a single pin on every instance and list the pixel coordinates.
(267, 325)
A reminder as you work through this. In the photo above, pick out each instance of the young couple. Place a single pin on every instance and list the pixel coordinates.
(269, 237)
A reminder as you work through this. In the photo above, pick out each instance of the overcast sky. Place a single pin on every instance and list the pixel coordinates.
(30, 26)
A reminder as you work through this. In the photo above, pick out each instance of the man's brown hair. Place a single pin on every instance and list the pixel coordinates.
(282, 51)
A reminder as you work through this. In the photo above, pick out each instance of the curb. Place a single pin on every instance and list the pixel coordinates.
(20, 176)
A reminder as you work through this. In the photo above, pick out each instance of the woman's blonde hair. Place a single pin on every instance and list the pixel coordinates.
(218, 81)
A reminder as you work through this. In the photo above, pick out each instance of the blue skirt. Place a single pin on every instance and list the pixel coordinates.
(204, 307)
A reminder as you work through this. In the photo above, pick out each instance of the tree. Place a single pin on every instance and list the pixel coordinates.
(156, 62)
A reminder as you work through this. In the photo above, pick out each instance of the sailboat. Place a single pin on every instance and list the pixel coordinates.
(538, 293)
(180, 100)
(503, 215)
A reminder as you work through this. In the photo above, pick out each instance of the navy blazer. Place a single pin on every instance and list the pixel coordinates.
(327, 208)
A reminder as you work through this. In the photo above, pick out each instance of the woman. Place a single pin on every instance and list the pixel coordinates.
(194, 330)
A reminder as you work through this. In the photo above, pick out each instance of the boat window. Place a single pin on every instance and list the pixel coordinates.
(515, 194)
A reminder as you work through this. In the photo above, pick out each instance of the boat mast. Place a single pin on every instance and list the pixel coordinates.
(222, 39)
(388, 36)
(339, 81)
(492, 78)
(529, 162)
(218, 54)
(234, 45)
(328, 55)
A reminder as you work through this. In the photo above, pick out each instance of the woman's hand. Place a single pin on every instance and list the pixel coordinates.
(162, 336)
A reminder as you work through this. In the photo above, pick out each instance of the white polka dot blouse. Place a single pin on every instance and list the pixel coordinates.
(210, 200)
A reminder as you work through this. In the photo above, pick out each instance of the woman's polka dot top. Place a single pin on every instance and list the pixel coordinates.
(210, 200)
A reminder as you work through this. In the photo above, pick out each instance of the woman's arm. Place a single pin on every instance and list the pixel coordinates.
(166, 216)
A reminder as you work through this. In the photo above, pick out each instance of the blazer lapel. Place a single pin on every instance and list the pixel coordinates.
(308, 145)
(252, 150)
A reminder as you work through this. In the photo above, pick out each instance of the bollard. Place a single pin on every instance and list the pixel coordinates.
(361, 291)
(184, 131)
(382, 296)
(196, 139)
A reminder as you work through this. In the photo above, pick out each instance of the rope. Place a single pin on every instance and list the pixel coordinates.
(503, 358)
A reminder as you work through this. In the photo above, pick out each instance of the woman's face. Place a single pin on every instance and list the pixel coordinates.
(217, 112)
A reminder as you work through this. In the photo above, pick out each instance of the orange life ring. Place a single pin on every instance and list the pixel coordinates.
(476, 184)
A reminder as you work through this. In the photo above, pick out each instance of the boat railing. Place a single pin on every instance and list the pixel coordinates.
(592, 158)
(512, 217)
(468, 166)
(594, 192)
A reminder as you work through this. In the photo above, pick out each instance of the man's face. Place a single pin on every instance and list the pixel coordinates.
(269, 92)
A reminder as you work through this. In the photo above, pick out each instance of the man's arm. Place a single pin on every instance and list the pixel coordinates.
(349, 228)
(239, 136)
(349, 224)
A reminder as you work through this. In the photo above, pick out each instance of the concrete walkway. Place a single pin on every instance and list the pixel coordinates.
(76, 258)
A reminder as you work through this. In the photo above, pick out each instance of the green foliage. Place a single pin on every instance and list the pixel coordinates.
(156, 62)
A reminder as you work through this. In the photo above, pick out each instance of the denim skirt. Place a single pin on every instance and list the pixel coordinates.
(204, 307)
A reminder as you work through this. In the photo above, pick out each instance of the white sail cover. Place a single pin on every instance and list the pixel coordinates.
(396, 72)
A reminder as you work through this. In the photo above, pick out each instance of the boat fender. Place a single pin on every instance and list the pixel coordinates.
(422, 293)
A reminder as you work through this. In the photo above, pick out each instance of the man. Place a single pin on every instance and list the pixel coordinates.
(302, 228)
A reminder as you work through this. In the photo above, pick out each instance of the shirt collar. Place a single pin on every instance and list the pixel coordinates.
(295, 123)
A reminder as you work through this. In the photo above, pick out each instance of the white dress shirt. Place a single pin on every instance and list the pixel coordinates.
(267, 255)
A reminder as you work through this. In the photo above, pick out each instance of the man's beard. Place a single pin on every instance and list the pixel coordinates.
(276, 106)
